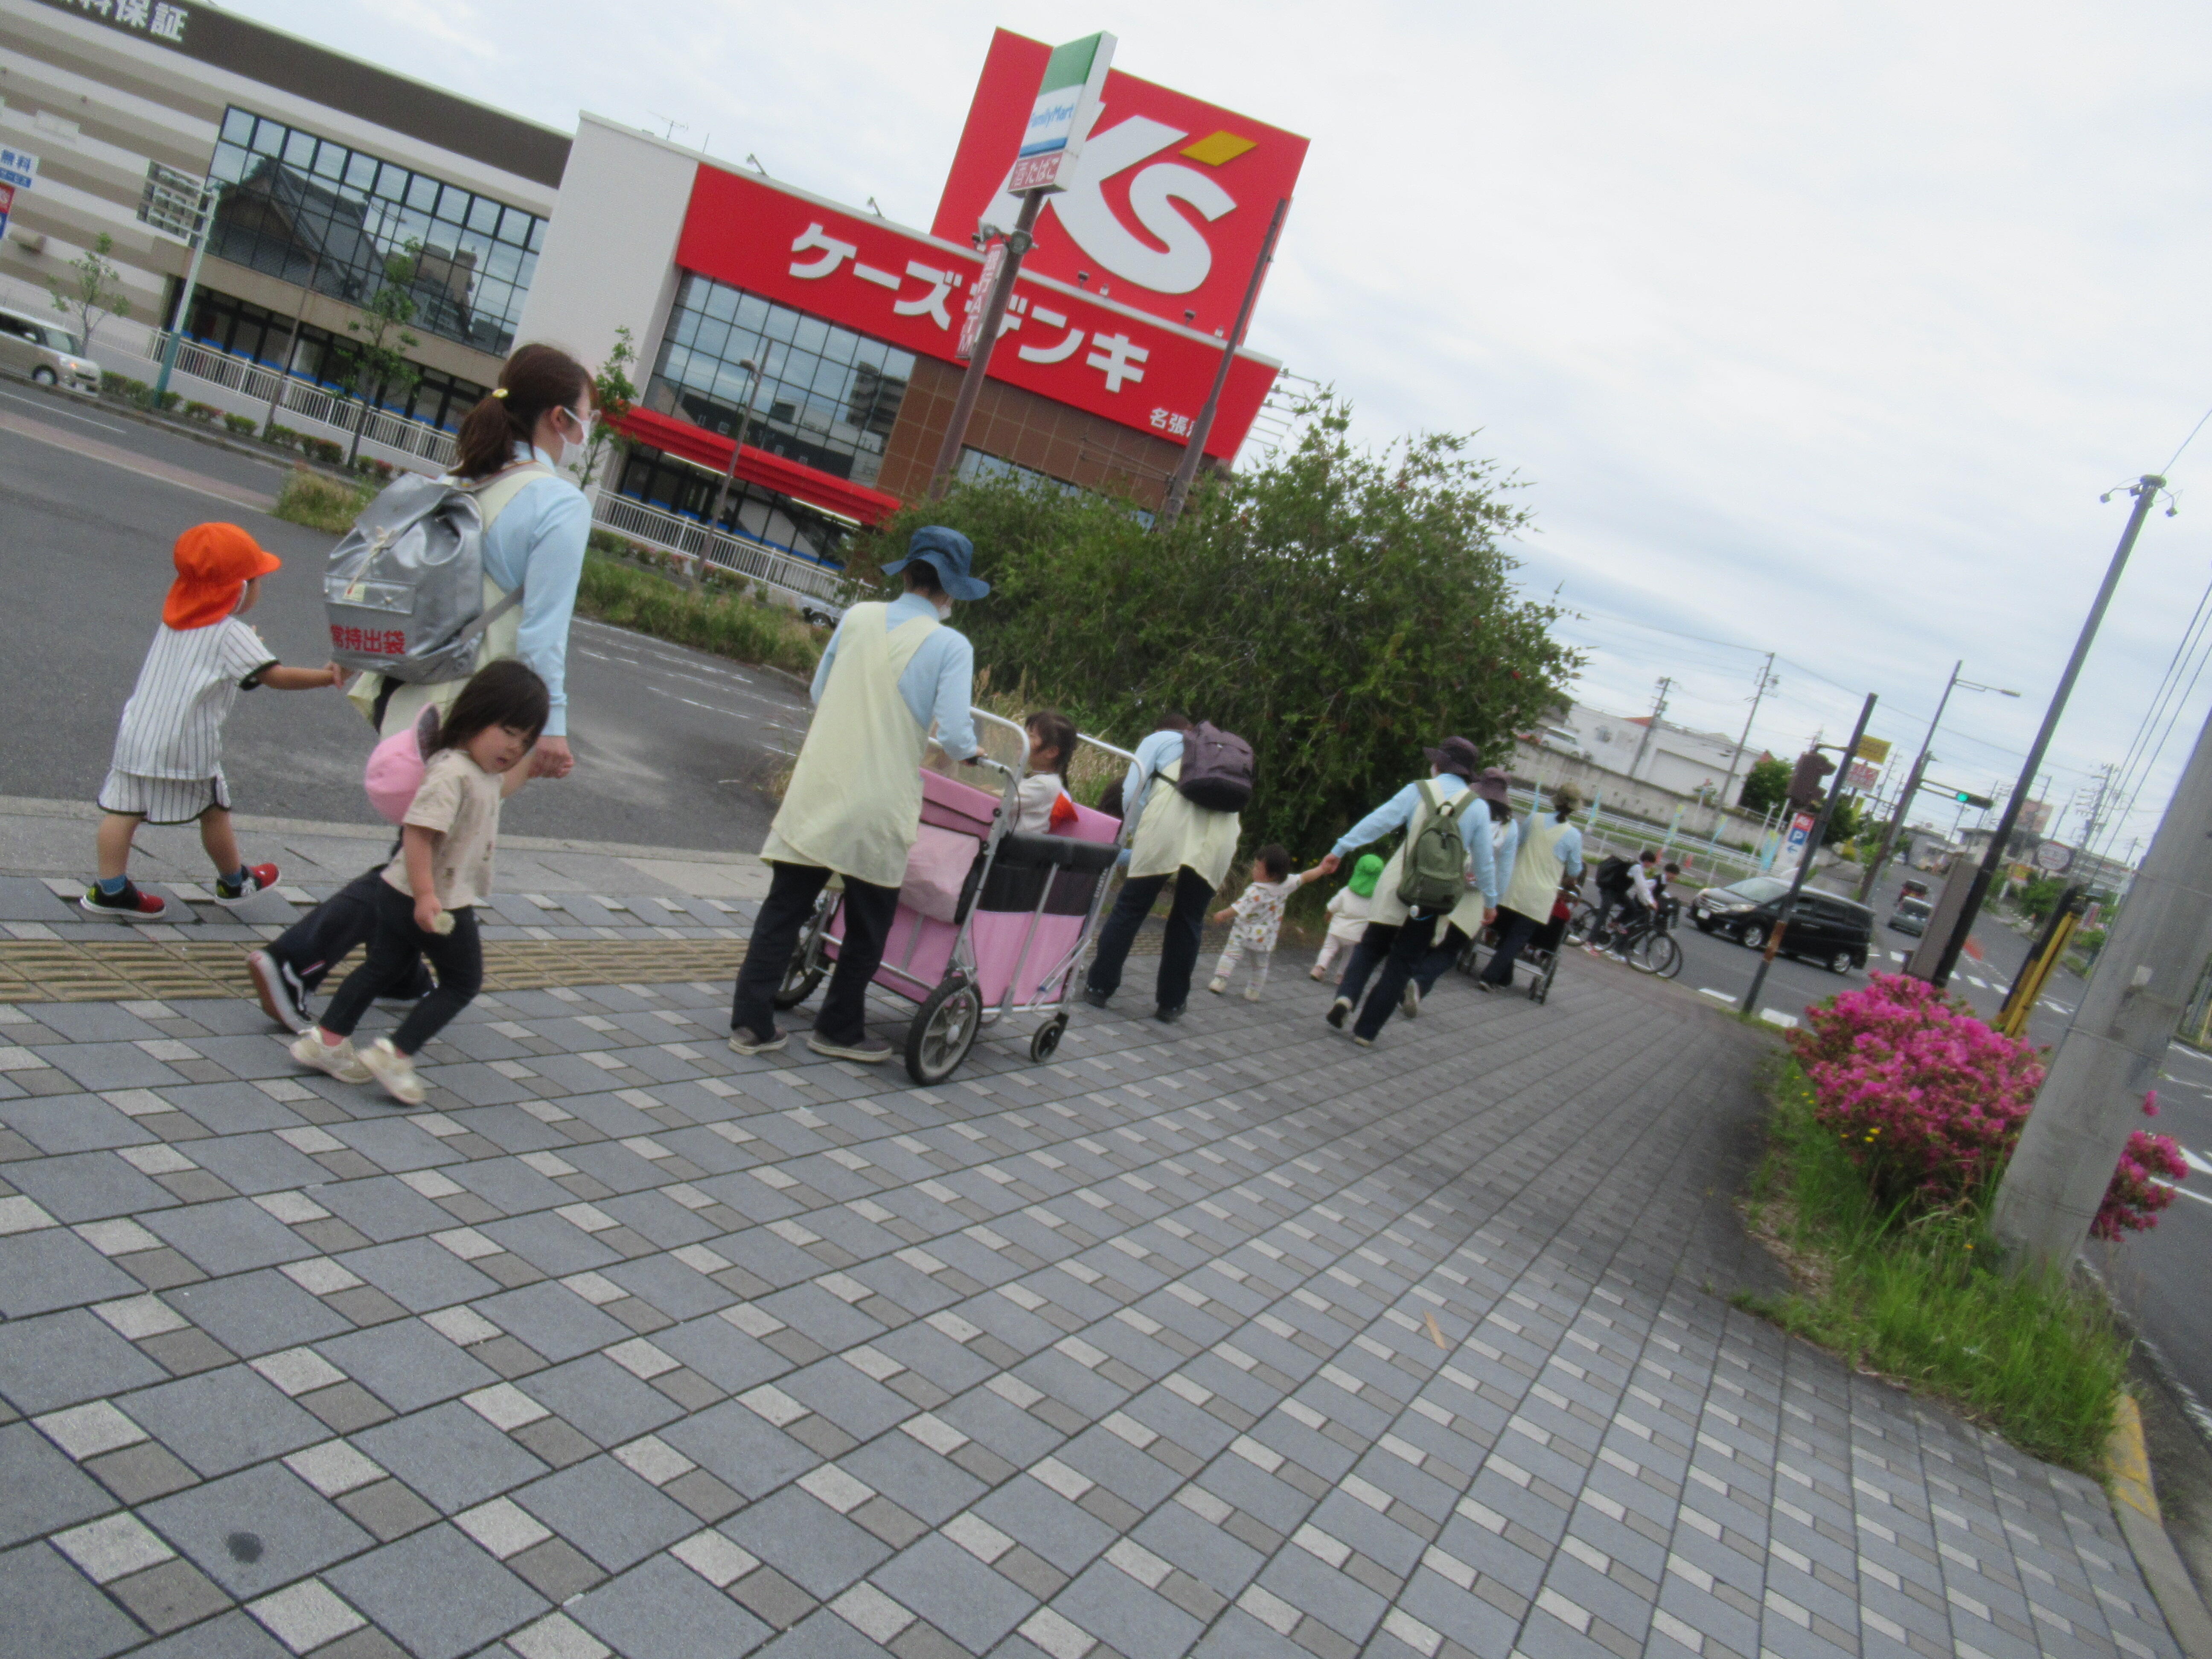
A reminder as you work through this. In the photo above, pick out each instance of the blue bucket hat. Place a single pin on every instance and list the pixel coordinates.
(949, 553)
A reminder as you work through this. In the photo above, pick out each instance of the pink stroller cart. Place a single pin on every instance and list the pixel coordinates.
(1005, 938)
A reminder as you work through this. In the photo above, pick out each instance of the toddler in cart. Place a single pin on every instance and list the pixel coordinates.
(1043, 806)
(1256, 918)
(426, 904)
(168, 767)
(1349, 909)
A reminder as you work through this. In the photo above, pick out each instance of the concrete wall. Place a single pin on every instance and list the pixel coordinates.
(1544, 768)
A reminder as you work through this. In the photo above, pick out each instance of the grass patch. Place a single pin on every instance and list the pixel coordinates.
(738, 626)
(2038, 1359)
(320, 503)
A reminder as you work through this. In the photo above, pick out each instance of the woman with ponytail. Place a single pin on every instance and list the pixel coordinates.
(535, 522)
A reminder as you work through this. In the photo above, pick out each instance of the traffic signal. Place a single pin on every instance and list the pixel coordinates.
(1805, 778)
(1965, 800)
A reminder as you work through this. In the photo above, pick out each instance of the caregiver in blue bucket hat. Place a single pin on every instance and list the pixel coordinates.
(890, 673)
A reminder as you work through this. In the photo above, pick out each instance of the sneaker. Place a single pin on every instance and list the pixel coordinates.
(1337, 1011)
(1410, 1004)
(1217, 986)
(749, 1043)
(260, 878)
(395, 1071)
(283, 998)
(869, 1051)
(1317, 973)
(339, 1060)
(1362, 1042)
(1485, 987)
(1251, 994)
(129, 905)
(1168, 1016)
(1097, 998)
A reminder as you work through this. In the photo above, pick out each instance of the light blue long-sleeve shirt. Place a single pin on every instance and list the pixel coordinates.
(1569, 851)
(1399, 811)
(537, 544)
(1505, 848)
(937, 683)
(1160, 749)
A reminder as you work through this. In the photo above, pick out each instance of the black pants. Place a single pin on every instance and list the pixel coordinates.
(395, 949)
(1178, 951)
(1373, 945)
(316, 943)
(1440, 956)
(1514, 932)
(792, 891)
(1408, 944)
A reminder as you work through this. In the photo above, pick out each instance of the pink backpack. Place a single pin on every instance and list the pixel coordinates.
(397, 764)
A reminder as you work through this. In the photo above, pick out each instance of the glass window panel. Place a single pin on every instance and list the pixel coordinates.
(268, 139)
(483, 215)
(721, 303)
(810, 334)
(238, 126)
(752, 314)
(421, 193)
(360, 172)
(331, 160)
(783, 324)
(230, 162)
(299, 149)
(391, 183)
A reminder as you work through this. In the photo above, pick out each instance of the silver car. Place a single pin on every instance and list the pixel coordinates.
(46, 352)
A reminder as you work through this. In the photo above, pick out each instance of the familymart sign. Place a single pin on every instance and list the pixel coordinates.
(1066, 103)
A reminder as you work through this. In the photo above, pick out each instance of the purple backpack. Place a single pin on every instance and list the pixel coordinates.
(1217, 769)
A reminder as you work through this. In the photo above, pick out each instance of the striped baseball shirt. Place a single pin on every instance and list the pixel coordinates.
(172, 725)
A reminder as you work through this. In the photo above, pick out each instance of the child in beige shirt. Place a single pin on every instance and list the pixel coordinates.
(427, 905)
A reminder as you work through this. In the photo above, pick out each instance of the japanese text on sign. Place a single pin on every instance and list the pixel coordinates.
(18, 169)
(161, 20)
(370, 641)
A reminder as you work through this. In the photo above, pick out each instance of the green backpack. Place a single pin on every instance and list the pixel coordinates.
(1433, 877)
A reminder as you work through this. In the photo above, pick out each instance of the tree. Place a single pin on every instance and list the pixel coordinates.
(1337, 608)
(1766, 786)
(377, 366)
(614, 396)
(1845, 822)
(94, 292)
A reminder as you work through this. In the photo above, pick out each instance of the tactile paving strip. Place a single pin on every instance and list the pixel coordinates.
(62, 970)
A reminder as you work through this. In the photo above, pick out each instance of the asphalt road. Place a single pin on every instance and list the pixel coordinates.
(671, 746)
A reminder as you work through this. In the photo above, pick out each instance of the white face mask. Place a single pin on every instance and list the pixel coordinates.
(945, 610)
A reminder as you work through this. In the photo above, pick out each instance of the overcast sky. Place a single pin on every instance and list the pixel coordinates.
(1816, 330)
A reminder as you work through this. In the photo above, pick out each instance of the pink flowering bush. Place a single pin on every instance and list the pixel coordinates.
(1927, 1100)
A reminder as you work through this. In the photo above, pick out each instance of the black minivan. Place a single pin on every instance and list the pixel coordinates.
(1833, 931)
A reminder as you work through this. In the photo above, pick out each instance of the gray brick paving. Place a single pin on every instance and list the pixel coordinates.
(1225, 1338)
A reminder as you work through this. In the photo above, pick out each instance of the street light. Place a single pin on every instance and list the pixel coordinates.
(1919, 765)
(738, 443)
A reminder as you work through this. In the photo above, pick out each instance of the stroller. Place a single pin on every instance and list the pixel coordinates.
(1004, 937)
(1540, 955)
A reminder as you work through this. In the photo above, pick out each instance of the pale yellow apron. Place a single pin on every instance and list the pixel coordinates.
(1174, 835)
(855, 801)
(1536, 872)
(499, 638)
(1388, 909)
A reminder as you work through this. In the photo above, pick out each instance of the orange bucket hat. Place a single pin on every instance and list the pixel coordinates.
(214, 562)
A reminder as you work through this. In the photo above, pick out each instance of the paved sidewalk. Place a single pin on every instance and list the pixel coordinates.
(1224, 1337)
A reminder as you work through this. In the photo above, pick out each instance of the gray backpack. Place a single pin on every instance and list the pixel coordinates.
(405, 588)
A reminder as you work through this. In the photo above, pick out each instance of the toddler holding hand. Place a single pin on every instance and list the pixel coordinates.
(426, 906)
(1257, 919)
(1349, 907)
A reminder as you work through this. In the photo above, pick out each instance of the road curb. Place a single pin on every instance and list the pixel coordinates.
(2135, 1504)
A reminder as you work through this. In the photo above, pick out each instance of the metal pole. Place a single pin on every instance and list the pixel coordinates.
(1911, 786)
(210, 194)
(1765, 675)
(2115, 1048)
(1750, 1003)
(2145, 490)
(730, 472)
(1018, 241)
(1658, 707)
(292, 341)
(1186, 472)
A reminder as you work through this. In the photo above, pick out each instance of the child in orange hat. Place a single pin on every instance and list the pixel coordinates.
(168, 767)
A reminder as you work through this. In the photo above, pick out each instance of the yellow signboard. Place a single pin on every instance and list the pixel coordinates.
(1873, 749)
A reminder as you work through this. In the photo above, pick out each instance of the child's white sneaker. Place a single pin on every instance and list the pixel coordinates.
(395, 1071)
(339, 1059)
(1251, 994)
(1217, 986)
(1317, 973)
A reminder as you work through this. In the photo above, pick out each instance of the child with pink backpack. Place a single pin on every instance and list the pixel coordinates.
(426, 903)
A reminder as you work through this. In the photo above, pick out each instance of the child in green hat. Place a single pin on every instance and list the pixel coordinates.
(1347, 913)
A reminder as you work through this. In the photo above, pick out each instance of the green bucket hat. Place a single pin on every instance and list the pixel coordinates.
(1366, 874)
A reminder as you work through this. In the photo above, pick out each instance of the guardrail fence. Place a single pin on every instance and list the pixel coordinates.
(295, 395)
(740, 554)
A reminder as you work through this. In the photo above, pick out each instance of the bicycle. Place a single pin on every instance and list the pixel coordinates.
(1647, 945)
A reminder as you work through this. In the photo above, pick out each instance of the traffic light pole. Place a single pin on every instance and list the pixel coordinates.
(2145, 490)
(1912, 788)
(1750, 1003)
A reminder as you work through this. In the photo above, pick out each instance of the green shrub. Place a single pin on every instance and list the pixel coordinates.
(244, 426)
(203, 413)
(112, 384)
(319, 502)
(2037, 1357)
(282, 436)
(738, 628)
(327, 450)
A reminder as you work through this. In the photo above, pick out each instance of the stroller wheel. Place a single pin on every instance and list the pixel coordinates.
(805, 971)
(1046, 1043)
(943, 1031)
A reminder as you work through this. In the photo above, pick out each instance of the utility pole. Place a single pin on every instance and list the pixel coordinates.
(1750, 1003)
(1919, 769)
(730, 472)
(1658, 707)
(1018, 242)
(1186, 472)
(2113, 1050)
(1766, 683)
(2145, 490)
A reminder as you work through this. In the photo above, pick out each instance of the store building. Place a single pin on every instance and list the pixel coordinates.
(330, 168)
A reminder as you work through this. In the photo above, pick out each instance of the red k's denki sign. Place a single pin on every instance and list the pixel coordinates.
(1170, 201)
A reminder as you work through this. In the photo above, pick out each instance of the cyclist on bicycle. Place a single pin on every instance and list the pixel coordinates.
(1637, 907)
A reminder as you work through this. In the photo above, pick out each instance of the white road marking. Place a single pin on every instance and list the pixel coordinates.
(46, 406)
(2184, 1191)
(2201, 1165)
(1718, 996)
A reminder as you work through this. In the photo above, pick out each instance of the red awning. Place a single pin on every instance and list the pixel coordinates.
(802, 484)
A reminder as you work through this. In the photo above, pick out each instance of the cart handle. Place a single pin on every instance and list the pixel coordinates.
(1021, 731)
